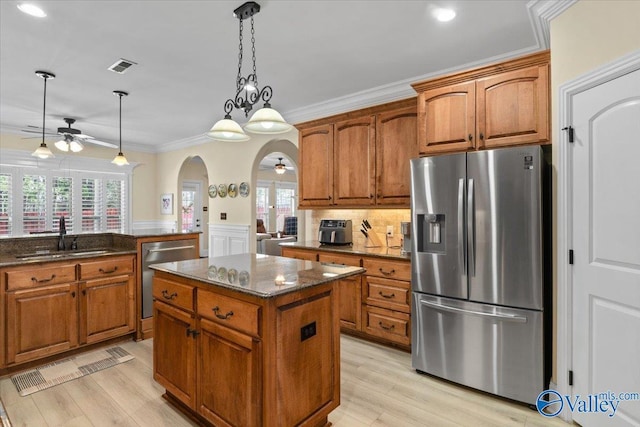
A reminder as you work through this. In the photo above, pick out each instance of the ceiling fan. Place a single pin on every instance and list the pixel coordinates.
(73, 139)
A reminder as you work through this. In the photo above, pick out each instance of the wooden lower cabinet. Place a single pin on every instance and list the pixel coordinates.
(302, 254)
(41, 322)
(232, 359)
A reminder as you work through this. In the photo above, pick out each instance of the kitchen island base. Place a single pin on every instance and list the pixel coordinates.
(238, 358)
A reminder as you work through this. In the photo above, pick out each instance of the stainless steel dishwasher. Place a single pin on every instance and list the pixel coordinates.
(159, 252)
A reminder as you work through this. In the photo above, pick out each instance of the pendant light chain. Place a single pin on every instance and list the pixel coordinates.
(239, 79)
(253, 52)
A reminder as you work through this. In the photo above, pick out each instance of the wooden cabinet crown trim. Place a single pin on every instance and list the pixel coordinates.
(539, 58)
(369, 111)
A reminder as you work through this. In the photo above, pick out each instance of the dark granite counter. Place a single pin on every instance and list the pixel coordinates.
(260, 275)
(355, 249)
(40, 257)
(155, 232)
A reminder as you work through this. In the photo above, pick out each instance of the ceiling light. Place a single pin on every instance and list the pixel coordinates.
(444, 15)
(266, 120)
(43, 151)
(69, 143)
(31, 9)
(280, 168)
(120, 159)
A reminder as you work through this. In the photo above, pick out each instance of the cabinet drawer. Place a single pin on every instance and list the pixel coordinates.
(229, 311)
(340, 259)
(299, 254)
(40, 276)
(399, 270)
(387, 293)
(109, 266)
(173, 293)
(390, 325)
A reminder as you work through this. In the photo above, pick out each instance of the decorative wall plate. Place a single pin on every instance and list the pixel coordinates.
(222, 190)
(233, 190)
(244, 189)
(213, 191)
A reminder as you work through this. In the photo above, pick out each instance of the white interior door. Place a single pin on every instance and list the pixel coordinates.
(191, 210)
(606, 244)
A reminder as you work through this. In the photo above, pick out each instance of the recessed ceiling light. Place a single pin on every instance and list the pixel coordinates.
(32, 9)
(444, 15)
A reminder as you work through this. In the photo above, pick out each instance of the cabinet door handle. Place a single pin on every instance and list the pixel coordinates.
(166, 295)
(192, 332)
(386, 295)
(53, 276)
(108, 271)
(470, 137)
(73, 294)
(329, 197)
(385, 327)
(481, 136)
(84, 292)
(371, 196)
(216, 310)
(387, 273)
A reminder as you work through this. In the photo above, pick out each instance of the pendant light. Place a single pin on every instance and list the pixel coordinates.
(280, 168)
(43, 151)
(120, 159)
(264, 121)
(69, 143)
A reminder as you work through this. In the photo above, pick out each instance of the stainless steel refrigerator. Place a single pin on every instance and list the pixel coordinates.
(480, 270)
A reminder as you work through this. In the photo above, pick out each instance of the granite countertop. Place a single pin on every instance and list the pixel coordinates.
(11, 260)
(155, 232)
(260, 275)
(355, 249)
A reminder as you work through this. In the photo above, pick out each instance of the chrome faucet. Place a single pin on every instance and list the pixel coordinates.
(63, 231)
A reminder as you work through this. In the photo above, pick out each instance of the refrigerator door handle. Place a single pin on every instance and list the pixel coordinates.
(506, 317)
(461, 249)
(471, 228)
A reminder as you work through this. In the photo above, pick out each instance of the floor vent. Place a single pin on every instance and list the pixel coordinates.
(121, 66)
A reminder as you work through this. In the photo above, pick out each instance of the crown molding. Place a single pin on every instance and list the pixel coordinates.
(541, 12)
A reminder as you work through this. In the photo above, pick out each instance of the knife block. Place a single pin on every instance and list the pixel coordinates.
(374, 240)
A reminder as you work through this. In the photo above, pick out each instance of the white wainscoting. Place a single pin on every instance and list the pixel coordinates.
(228, 239)
(158, 224)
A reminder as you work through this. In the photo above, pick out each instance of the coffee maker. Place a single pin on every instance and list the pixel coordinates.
(405, 229)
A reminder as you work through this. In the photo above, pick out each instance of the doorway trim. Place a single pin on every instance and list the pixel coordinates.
(564, 295)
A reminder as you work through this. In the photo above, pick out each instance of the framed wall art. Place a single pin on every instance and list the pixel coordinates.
(166, 204)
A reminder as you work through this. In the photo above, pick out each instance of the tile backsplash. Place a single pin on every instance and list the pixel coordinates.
(378, 218)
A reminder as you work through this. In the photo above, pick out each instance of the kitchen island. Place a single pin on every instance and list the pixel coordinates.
(249, 339)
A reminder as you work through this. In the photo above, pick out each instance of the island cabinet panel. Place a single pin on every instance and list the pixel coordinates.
(107, 308)
(446, 118)
(41, 322)
(229, 370)
(316, 166)
(396, 136)
(349, 290)
(306, 354)
(354, 161)
(230, 312)
(174, 352)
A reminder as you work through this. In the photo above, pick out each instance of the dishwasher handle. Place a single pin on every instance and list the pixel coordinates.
(177, 248)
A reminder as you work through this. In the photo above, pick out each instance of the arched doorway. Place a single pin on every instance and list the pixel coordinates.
(193, 201)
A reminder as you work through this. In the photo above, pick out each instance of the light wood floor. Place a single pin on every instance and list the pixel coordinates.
(379, 388)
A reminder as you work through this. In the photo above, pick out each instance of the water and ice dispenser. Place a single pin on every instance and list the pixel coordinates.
(431, 229)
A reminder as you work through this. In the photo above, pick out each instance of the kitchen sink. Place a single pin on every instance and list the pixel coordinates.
(85, 253)
(56, 255)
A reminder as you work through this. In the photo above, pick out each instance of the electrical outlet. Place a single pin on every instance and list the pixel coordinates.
(390, 230)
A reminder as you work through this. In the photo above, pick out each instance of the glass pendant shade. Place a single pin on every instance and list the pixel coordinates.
(62, 145)
(68, 143)
(120, 160)
(227, 130)
(42, 152)
(267, 121)
(75, 146)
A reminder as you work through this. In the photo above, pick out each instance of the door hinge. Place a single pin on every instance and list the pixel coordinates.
(570, 129)
(570, 377)
(570, 256)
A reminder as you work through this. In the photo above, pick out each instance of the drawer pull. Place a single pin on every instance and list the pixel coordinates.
(108, 271)
(53, 276)
(385, 327)
(216, 309)
(387, 273)
(165, 295)
(386, 295)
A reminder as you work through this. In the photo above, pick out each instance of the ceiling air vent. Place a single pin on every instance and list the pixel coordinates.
(121, 66)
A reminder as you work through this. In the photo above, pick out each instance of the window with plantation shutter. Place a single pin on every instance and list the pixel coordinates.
(62, 202)
(91, 204)
(115, 204)
(34, 203)
(6, 198)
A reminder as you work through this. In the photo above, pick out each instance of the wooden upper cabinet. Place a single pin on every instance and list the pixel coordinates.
(316, 166)
(446, 118)
(354, 161)
(396, 144)
(497, 105)
(513, 108)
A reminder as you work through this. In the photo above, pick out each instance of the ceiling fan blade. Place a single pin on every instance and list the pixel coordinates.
(38, 131)
(97, 142)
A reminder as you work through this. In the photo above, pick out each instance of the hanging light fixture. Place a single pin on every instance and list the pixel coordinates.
(43, 151)
(69, 143)
(280, 168)
(120, 159)
(264, 121)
